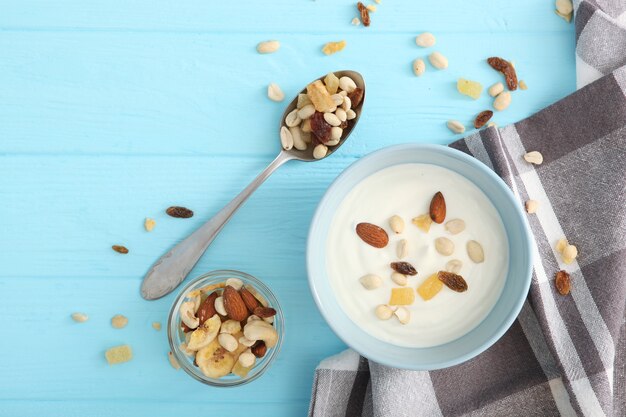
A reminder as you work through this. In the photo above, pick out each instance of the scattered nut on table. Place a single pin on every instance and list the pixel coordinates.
(119, 321)
(532, 206)
(268, 47)
(425, 40)
(80, 317)
(534, 157)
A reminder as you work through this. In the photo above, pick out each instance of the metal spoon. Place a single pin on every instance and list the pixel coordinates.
(172, 268)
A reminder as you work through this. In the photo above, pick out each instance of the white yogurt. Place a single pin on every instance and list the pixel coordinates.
(406, 190)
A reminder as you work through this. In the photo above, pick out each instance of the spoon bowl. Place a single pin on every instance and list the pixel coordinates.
(307, 154)
(173, 267)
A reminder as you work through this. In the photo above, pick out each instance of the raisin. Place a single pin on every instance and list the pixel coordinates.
(320, 127)
(562, 282)
(506, 69)
(365, 14)
(355, 97)
(453, 281)
(120, 249)
(179, 212)
(404, 268)
(482, 118)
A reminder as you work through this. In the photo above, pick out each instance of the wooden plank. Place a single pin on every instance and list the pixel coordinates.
(280, 16)
(204, 94)
(52, 358)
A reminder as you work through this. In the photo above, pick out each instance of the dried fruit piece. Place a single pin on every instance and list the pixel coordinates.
(179, 212)
(444, 246)
(249, 300)
(205, 334)
(423, 222)
(383, 312)
(234, 305)
(149, 224)
(320, 128)
(320, 97)
(259, 349)
(469, 88)
(120, 249)
(425, 40)
(404, 268)
(264, 312)
(482, 118)
(371, 8)
(118, 354)
(372, 235)
(333, 47)
(207, 308)
(365, 14)
(332, 83)
(429, 288)
(370, 281)
(564, 7)
(523, 85)
(562, 282)
(156, 326)
(118, 321)
(453, 281)
(561, 244)
(438, 208)
(506, 69)
(475, 251)
(402, 296)
(356, 95)
(303, 100)
(80, 317)
(214, 361)
(570, 252)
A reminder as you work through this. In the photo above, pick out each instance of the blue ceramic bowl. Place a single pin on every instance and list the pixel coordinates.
(497, 321)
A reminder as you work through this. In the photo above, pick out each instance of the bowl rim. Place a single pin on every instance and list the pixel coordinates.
(267, 361)
(525, 234)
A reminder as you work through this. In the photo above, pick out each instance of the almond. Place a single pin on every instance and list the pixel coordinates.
(234, 305)
(264, 312)
(207, 308)
(249, 300)
(372, 235)
(438, 208)
(259, 349)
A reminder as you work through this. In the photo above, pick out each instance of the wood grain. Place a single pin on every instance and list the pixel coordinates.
(112, 111)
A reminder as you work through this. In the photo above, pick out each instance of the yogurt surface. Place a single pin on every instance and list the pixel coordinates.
(406, 190)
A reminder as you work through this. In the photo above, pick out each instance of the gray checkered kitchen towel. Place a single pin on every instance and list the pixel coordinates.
(565, 355)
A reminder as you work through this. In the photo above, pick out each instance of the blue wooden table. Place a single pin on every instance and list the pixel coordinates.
(111, 111)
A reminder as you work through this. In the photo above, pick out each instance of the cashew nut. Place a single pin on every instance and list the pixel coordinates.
(246, 342)
(261, 330)
(236, 283)
(253, 317)
(188, 314)
(231, 327)
(219, 306)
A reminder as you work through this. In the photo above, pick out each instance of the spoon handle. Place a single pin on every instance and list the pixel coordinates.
(172, 268)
